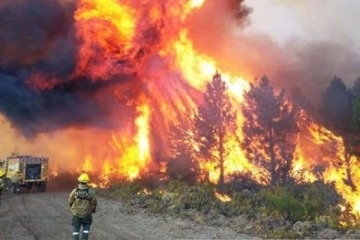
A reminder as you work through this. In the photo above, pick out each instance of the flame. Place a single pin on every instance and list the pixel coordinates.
(144, 191)
(150, 42)
(54, 171)
(136, 155)
(87, 166)
(223, 197)
(106, 172)
(333, 151)
(111, 27)
(195, 3)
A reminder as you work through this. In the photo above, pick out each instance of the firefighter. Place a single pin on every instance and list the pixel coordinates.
(82, 201)
(15, 182)
(2, 183)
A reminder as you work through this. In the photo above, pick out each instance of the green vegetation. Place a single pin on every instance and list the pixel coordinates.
(274, 208)
(299, 203)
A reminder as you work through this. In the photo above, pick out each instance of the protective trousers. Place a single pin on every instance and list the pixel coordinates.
(85, 223)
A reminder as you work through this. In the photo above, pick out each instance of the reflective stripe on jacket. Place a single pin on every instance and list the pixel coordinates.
(2, 183)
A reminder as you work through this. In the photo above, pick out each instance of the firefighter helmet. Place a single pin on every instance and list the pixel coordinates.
(1, 173)
(84, 178)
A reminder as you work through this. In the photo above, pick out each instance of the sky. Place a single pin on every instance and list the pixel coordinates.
(319, 20)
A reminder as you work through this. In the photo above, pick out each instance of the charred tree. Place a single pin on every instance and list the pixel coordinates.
(215, 121)
(269, 130)
(336, 112)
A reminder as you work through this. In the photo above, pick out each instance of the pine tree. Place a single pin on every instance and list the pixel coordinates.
(336, 107)
(215, 121)
(355, 120)
(356, 88)
(336, 112)
(269, 129)
(182, 164)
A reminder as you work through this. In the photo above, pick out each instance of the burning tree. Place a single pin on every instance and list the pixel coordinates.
(215, 121)
(336, 112)
(182, 164)
(269, 129)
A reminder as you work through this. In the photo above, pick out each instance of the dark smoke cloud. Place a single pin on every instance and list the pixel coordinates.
(30, 31)
(34, 112)
(38, 36)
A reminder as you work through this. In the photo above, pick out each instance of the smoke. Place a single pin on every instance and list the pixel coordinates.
(37, 57)
(316, 42)
(41, 90)
(34, 33)
(306, 63)
(42, 86)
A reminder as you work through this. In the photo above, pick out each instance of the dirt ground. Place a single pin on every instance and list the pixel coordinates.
(27, 216)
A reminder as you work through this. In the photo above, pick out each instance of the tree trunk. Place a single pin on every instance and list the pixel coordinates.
(349, 180)
(221, 158)
(273, 175)
(347, 157)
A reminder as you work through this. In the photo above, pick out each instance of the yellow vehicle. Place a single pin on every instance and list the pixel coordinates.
(33, 171)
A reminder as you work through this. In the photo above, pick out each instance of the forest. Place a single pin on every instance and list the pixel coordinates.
(270, 188)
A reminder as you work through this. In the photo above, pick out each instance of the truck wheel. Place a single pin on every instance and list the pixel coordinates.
(42, 187)
(29, 186)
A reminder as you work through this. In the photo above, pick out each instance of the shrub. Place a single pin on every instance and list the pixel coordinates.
(64, 181)
(239, 204)
(280, 202)
(239, 182)
(124, 190)
(181, 196)
(299, 203)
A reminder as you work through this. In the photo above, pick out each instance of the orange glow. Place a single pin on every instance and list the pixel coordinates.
(54, 171)
(87, 166)
(110, 11)
(335, 152)
(144, 191)
(106, 171)
(106, 29)
(195, 3)
(135, 156)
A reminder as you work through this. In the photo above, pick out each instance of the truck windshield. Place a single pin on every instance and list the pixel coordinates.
(33, 171)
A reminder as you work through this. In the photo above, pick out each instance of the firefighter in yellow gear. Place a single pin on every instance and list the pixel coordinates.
(83, 202)
(15, 182)
(2, 182)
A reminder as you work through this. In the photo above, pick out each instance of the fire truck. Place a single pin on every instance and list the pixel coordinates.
(33, 170)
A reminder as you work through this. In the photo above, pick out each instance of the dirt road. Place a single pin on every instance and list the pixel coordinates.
(28, 216)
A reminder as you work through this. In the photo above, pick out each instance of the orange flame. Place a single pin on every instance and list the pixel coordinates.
(223, 197)
(111, 34)
(109, 25)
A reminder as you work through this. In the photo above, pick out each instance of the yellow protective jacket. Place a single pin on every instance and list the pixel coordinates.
(82, 207)
(16, 178)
